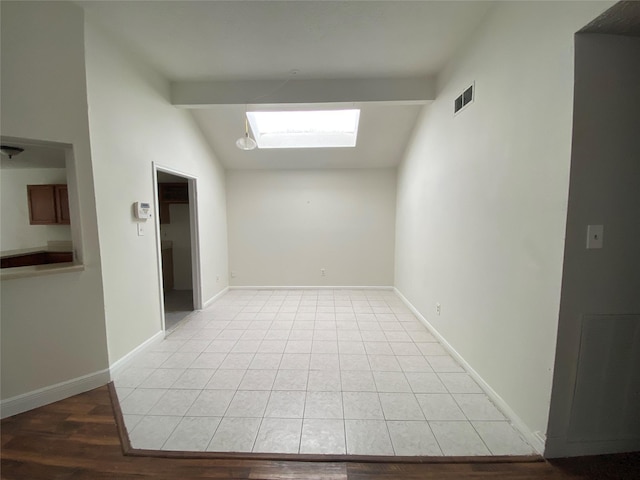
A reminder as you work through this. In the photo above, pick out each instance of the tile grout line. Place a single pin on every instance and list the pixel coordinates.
(304, 409)
(386, 422)
(434, 436)
(479, 436)
(206, 449)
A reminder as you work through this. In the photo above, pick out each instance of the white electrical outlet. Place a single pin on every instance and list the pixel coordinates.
(595, 236)
(438, 308)
(323, 272)
(233, 274)
(217, 278)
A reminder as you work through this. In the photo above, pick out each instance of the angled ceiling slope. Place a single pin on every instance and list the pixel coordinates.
(381, 57)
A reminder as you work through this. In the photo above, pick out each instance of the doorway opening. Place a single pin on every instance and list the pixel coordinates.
(178, 259)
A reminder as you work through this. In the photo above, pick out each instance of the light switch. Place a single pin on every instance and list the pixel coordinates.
(595, 236)
(140, 229)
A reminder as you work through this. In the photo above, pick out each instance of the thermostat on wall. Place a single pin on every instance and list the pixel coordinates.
(142, 210)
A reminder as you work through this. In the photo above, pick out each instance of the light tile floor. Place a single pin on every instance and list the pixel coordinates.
(178, 304)
(309, 371)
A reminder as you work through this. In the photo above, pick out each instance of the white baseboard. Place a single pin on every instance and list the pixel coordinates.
(215, 297)
(117, 366)
(60, 391)
(311, 287)
(53, 393)
(535, 439)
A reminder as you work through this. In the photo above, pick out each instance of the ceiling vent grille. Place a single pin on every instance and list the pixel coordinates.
(464, 99)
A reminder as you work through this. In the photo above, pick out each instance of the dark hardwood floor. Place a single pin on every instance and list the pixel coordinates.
(77, 438)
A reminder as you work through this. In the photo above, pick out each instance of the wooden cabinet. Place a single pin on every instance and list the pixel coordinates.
(169, 193)
(62, 204)
(42, 204)
(36, 258)
(48, 205)
(174, 192)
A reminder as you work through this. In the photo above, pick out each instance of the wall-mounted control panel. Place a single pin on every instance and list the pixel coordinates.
(142, 210)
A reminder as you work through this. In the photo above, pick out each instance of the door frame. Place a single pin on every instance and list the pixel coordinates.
(196, 274)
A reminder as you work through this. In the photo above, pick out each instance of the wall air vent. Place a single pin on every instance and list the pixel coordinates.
(463, 100)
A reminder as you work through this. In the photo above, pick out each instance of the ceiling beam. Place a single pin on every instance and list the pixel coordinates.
(407, 90)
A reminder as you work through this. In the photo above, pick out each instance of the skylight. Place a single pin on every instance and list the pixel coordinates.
(305, 129)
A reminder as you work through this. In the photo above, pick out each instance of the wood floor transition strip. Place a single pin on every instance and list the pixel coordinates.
(81, 438)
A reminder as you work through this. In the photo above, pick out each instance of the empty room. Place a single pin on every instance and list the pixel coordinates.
(322, 231)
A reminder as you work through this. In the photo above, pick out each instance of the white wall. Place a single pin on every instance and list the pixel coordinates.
(482, 200)
(284, 226)
(133, 125)
(178, 231)
(61, 336)
(604, 190)
(16, 232)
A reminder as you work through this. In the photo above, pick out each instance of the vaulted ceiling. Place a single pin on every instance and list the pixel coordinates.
(311, 43)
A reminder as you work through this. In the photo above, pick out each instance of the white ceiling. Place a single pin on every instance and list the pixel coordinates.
(204, 40)
(621, 19)
(35, 155)
(321, 40)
